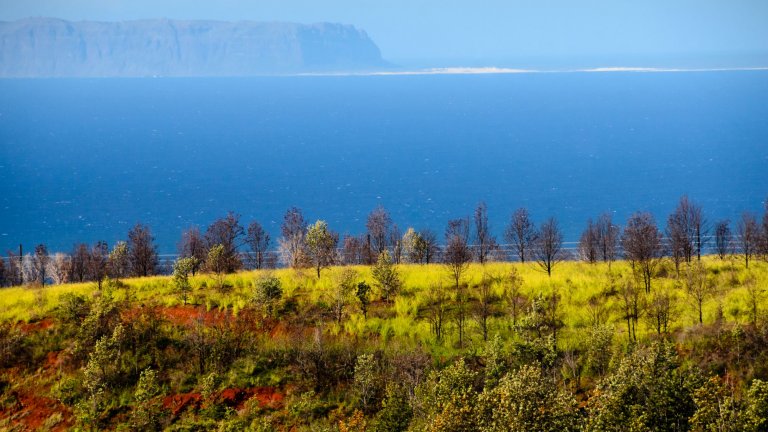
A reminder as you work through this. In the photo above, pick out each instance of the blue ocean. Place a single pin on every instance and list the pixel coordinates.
(85, 159)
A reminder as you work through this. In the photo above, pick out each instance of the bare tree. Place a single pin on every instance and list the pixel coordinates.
(78, 268)
(14, 274)
(192, 245)
(429, 247)
(686, 231)
(435, 310)
(700, 228)
(698, 287)
(457, 257)
(659, 310)
(681, 224)
(642, 243)
(97, 262)
(353, 250)
(755, 295)
(764, 235)
(142, 252)
(589, 243)
(378, 225)
(292, 244)
(548, 247)
(486, 303)
(40, 264)
(748, 234)
(723, 243)
(521, 233)
(608, 236)
(457, 252)
(58, 268)
(678, 241)
(513, 293)
(629, 294)
(258, 240)
(3, 276)
(485, 242)
(227, 232)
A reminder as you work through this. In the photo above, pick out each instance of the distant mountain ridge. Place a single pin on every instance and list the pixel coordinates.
(49, 47)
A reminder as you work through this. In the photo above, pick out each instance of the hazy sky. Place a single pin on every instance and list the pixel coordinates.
(477, 30)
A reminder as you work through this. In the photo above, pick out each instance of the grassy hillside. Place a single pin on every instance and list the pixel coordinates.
(133, 355)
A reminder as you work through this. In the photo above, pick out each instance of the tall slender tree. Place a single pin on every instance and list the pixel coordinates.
(485, 242)
(258, 241)
(353, 250)
(723, 243)
(430, 248)
(3, 276)
(609, 235)
(457, 257)
(521, 233)
(642, 243)
(764, 233)
(98, 262)
(748, 236)
(458, 254)
(378, 224)
(548, 247)
(142, 251)
(686, 230)
(589, 243)
(78, 267)
(292, 242)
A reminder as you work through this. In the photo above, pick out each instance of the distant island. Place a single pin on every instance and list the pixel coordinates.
(48, 47)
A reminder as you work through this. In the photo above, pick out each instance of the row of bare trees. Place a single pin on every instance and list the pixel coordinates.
(301, 244)
(136, 257)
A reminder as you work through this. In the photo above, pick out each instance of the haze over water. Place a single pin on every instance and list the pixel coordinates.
(83, 160)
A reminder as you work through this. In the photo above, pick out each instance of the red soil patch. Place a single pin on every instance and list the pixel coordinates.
(44, 324)
(179, 402)
(187, 315)
(30, 412)
(180, 315)
(53, 360)
(278, 330)
(268, 397)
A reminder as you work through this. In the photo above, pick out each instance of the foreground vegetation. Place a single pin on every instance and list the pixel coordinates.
(393, 347)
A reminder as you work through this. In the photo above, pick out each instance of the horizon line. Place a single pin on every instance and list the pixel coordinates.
(492, 70)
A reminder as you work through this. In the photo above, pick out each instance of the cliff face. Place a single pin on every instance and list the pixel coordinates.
(45, 47)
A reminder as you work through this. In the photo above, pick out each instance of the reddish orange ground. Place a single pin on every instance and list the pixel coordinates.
(30, 412)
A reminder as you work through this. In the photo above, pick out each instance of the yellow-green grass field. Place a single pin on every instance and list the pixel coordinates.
(586, 290)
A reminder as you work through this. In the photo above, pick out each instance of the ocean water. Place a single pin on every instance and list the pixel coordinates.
(85, 159)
